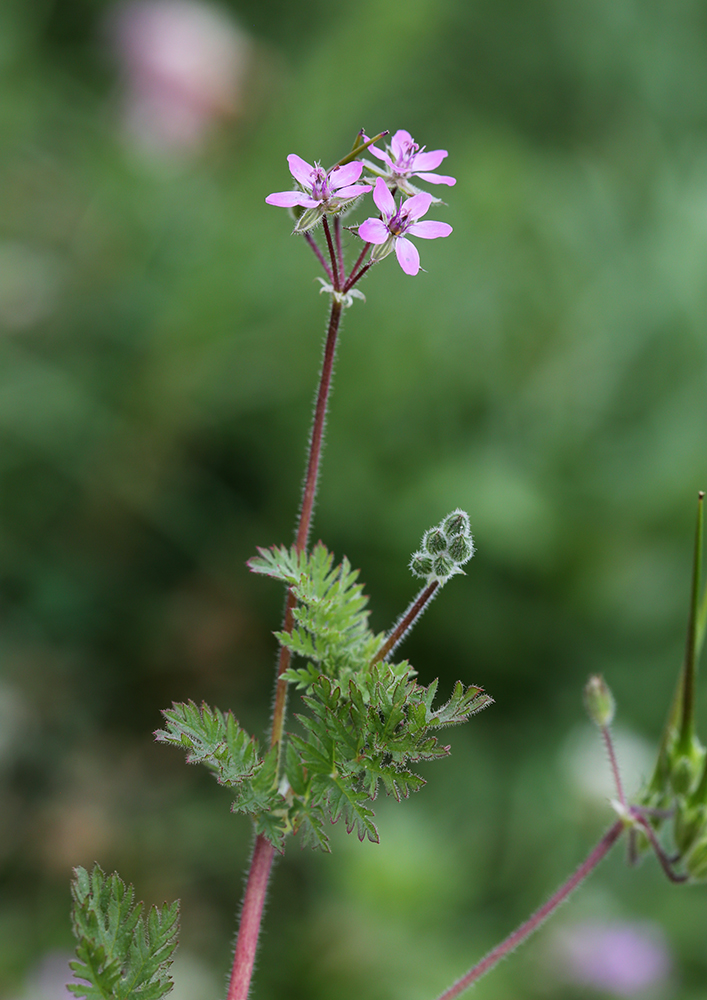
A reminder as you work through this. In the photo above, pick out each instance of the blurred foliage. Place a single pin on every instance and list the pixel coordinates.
(158, 360)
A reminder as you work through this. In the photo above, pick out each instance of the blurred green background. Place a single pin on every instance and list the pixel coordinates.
(161, 338)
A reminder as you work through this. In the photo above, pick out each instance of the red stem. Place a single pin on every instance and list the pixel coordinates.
(407, 620)
(609, 744)
(251, 915)
(332, 253)
(263, 853)
(532, 924)
(353, 277)
(319, 255)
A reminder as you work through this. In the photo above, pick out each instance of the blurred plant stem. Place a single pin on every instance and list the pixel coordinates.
(539, 917)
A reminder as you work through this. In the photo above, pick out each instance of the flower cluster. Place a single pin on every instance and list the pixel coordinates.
(444, 549)
(319, 193)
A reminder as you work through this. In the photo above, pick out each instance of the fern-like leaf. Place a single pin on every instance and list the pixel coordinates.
(120, 955)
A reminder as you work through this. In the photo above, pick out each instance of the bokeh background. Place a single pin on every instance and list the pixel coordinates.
(161, 337)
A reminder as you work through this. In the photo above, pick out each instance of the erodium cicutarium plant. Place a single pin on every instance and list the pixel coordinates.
(365, 721)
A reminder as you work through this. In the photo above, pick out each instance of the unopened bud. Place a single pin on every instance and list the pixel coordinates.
(435, 541)
(460, 549)
(421, 564)
(443, 567)
(456, 523)
(599, 701)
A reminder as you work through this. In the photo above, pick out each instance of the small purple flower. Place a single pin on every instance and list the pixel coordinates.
(404, 159)
(389, 232)
(319, 192)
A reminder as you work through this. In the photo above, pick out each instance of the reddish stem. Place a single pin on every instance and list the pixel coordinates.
(407, 620)
(319, 255)
(532, 924)
(332, 253)
(339, 251)
(261, 862)
(609, 744)
(251, 915)
(353, 277)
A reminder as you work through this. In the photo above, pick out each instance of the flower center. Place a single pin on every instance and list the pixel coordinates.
(320, 184)
(405, 161)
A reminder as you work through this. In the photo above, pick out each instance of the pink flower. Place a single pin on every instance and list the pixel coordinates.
(319, 192)
(389, 232)
(405, 159)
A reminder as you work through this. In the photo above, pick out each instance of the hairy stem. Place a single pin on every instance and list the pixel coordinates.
(251, 915)
(263, 853)
(353, 277)
(407, 620)
(525, 930)
(611, 753)
(319, 255)
(332, 254)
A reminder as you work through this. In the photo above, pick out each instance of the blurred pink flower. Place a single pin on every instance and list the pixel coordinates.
(621, 958)
(184, 63)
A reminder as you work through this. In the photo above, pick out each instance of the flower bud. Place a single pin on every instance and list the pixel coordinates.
(443, 566)
(599, 701)
(421, 564)
(460, 549)
(456, 523)
(435, 541)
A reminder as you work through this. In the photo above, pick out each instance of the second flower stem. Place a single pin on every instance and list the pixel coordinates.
(532, 923)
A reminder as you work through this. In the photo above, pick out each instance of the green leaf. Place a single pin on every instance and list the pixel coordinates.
(464, 703)
(211, 738)
(119, 954)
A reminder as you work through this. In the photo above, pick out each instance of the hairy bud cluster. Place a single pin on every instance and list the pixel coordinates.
(444, 549)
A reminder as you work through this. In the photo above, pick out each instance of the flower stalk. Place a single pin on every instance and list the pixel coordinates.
(539, 917)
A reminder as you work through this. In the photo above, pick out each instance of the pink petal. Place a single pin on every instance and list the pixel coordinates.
(343, 176)
(381, 155)
(399, 142)
(437, 179)
(300, 170)
(429, 161)
(416, 206)
(352, 192)
(384, 199)
(408, 257)
(430, 230)
(373, 231)
(288, 199)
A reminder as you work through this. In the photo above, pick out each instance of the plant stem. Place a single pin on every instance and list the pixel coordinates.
(407, 620)
(532, 924)
(332, 254)
(353, 277)
(263, 852)
(687, 717)
(339, 251)
(251, 915)
(319, 255)
(609, 744)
